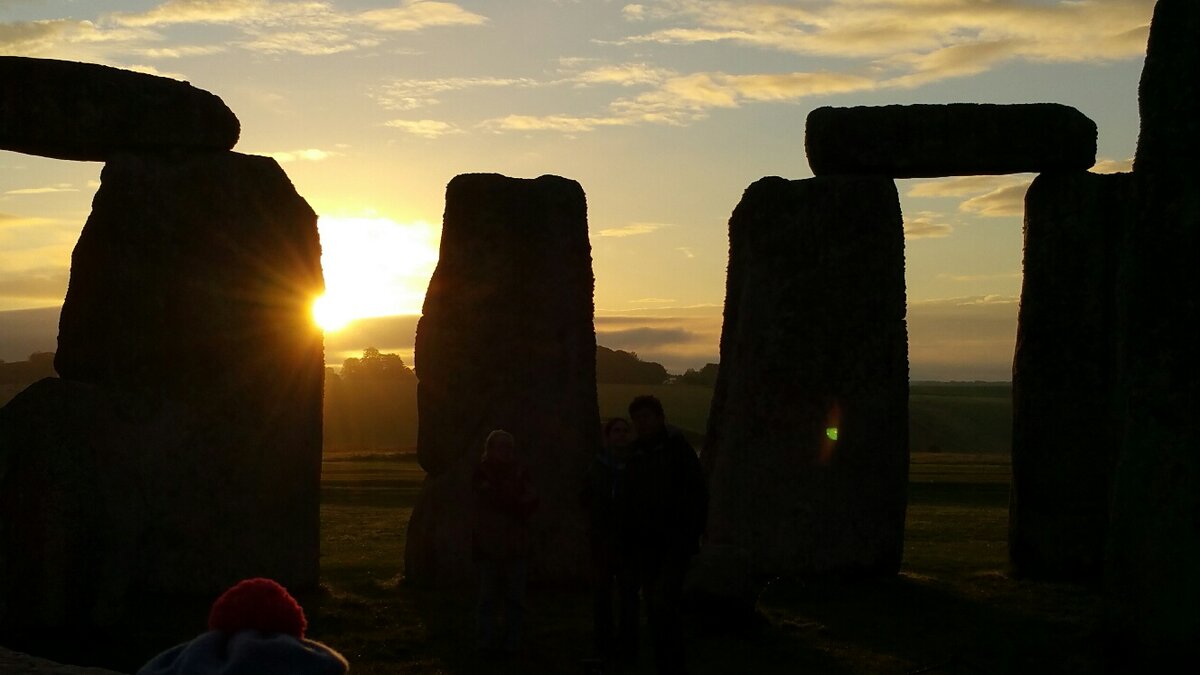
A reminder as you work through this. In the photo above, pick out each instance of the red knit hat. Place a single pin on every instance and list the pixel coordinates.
(255, 628)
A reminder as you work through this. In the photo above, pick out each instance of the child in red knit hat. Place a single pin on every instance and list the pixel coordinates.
(255, 628)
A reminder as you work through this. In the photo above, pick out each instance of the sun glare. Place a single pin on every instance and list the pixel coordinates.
(373, 267)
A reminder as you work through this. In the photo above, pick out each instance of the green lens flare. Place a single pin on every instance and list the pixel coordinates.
(831, 432)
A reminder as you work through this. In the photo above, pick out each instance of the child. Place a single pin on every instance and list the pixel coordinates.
(256, 628)
(504, 500)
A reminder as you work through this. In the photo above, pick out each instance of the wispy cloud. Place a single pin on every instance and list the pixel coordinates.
(1004, 201)
(970, 337)
(632, 229)
(151, 70)
(1113, 166)
(47, 284)
(411, 94)
(268, 26)
(915, 40)
(972, 278)
(994, 196)
(961, 186)
(678, 99)
(926, 225)
(49, 189)
(306, 155)
(424, 128)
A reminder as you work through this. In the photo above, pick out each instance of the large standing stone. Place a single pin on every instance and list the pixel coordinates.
(1154, 542)
(1153, 594)
(807, 450)
(1066, 421)
(959, 139)
(85, 111)
(506, 341)
(1169, 93)
(181, 451)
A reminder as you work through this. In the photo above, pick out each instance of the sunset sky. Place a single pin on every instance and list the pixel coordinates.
(664, 111)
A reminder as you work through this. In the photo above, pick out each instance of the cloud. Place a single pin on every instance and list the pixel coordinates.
(412, 94)
(268, 26)
(50, 189)
(632, 229)
(306, 155)
(563, 123)
(677, 99)
(46, 284)
(961, 186)
(1113, 166)
(640, 338)
(419, 14)
(411, 15)
(912, 41)
(926, 225)
(424, 128)
(180, 51)
(983, 277)
(25, 331)
(634, 12)
(624, 74)
(678, 338)
(964, 338)
(151, 70)
(1004, 201)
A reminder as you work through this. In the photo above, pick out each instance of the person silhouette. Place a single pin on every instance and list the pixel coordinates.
(505, 498)
(670, 499)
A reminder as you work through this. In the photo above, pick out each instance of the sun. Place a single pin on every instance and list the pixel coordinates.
(373, 267)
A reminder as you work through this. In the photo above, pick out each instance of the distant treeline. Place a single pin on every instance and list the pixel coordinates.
(371, 404)
(614, 366)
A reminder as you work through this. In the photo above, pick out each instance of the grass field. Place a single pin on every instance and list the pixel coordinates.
(943, 417)
(953, 608)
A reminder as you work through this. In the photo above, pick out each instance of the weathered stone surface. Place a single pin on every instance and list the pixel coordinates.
(86, 111)
(814, 346)
(1169, 93)
(186, 432)
(958, 139)
(1154, 540)
(1066, 421)
(506, 340)
(16, 662)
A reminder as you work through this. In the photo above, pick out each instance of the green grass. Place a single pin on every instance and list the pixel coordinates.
(943, 417)
(953, 604)
(952, 607)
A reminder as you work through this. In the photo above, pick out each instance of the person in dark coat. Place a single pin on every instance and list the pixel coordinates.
(669, 495)
(505, 498)
(606, 499)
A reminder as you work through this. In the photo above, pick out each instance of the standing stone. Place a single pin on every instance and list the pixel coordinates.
(807, 450)
(1153, 603)
(1066, 421)
(959, 139)
(1169, 92)
(85, 111)
(1153, 596)
(181, 451)
(506, 341)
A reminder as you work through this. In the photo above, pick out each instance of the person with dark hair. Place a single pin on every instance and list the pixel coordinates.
(668, 493)
(606, 499)
(505, 498)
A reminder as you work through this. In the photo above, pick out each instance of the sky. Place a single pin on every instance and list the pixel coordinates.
(664, 111)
